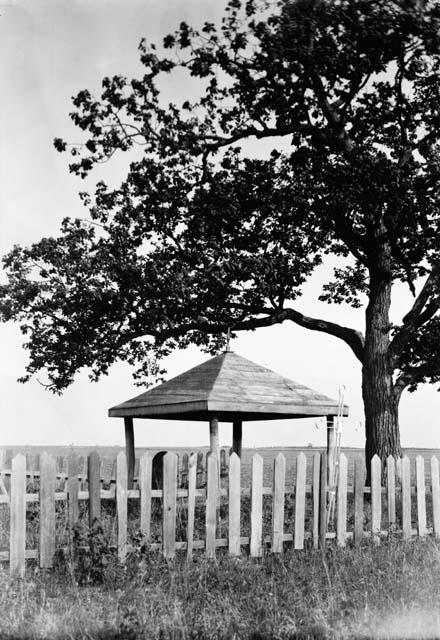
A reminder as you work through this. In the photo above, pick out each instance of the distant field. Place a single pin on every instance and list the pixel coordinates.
(108, 455)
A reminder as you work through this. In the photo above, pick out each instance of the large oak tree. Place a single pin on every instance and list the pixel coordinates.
(201, 235)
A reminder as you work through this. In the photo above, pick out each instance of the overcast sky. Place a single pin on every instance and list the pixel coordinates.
(48, 52)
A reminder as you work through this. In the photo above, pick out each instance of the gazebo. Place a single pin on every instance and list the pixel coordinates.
(226, 388)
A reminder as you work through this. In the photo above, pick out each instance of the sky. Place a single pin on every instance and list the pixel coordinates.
(48, 52)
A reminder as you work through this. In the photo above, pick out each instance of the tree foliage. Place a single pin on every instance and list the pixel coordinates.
(202, 235)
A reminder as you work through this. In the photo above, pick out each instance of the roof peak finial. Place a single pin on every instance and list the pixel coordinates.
(228, 341)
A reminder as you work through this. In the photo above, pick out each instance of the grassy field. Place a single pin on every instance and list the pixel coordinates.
(387, 591)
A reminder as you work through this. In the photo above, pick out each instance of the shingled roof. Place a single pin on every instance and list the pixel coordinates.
(230, 387)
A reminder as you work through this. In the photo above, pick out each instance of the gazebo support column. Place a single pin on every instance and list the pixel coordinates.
(129, 449)
(237, 434)
(331, 448)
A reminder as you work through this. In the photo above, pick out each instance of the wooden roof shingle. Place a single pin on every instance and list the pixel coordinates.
(230, 387)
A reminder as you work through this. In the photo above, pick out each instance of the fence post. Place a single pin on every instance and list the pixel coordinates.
(421, 496)
(279, 476)
(192, 479)
(341, 517)
(17, 540)
(122, 481)
(359, 482)
(73, 489)
(145, 483)
(391, 490)
(256, 506)
(300, 500)
(323, 500)
(376, 498)
(169, 504)
(94, 480)
(234, 505)
(435, 484)
(316, 498)
(406, 497)
(48, 473)
(211, 503)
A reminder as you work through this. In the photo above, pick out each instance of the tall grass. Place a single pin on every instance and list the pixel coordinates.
(386, 591)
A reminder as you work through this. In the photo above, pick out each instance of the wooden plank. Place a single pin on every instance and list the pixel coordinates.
(3, 489)
(17, 538)
(435, 485)
(300, 500)
(376, 498)
(145, 479)
(279, 478)
(406, 497)
(341, 513)
(234, 505)
(211, 503)
(421, 496)
(72, 488)
(169, 504)
(121, 505)
(94, 481)
(192, 481)
(316, 498)
(48, 469)
(323, 500)
(256, 549)
(391, 490)
(359, 481)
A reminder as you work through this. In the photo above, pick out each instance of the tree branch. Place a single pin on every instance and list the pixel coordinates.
(412, 375)
(424, 307)
(354, 339)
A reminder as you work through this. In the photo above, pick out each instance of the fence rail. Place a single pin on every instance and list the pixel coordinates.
(39, 512)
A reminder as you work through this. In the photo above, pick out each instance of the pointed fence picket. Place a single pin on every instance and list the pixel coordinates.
(341, 513)
(391, 490)
(256, 548)
(300, 500)
(376, 497)
(243, 515)
(279, 477)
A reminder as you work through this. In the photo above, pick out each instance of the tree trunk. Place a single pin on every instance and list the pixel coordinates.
(380, 399)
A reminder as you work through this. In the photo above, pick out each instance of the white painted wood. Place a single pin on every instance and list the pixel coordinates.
(406, 497)
(192, 480)
(341, 513)
(376, 498)
(122, 504)
(421, 496)
(279, 477)
(435, 484)
(234, 505)
(47, 510)
(256, 506)
(169, 504)
(145, 483)
(211, 503)
(391, 490)
(17, 538)
(300, 500)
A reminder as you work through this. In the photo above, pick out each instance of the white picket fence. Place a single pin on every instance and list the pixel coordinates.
(255, 520)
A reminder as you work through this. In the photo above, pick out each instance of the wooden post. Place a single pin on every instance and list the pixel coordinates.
(129, 449)
(237, 434)
(331, 450)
